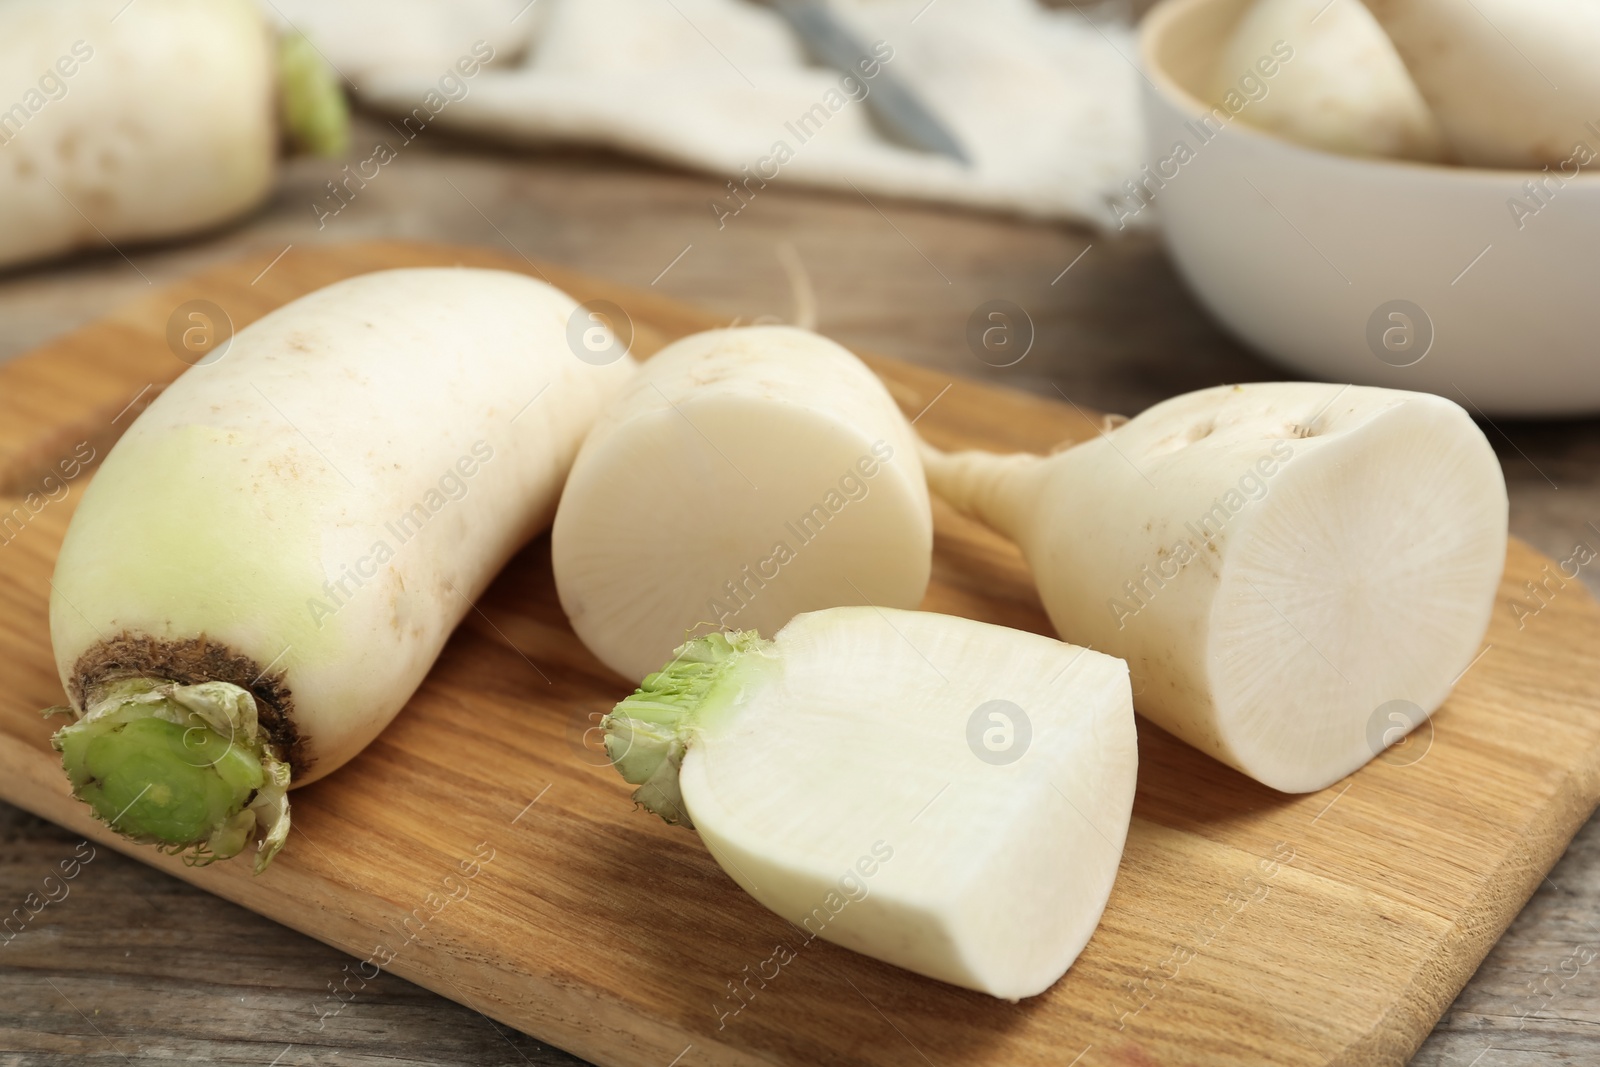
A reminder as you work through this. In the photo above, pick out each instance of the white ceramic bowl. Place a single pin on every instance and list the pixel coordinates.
(1381, 272)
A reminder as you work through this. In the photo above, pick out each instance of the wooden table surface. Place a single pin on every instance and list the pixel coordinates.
(133, 966)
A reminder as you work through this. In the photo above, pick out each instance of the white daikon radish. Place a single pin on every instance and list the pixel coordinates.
(1276, 562)
(271, 558)
(1342, 88)
(122, 122)
(743, 477)
(946, 795)
(1514, 83)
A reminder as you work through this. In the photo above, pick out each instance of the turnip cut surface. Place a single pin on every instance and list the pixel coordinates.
(744, 476)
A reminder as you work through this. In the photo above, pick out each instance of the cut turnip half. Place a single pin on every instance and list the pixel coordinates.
(942, 794)
(1276, 562)
(743, 477)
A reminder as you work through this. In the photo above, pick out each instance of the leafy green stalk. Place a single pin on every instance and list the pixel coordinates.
(647, 734)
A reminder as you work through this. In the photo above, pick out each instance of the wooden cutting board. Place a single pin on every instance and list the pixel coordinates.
(481, 849)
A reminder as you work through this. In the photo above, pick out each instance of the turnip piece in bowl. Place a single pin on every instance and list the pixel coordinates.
(1514, 83)
(1335, 81)
(1276, 562)
(275, 552)
(743, 477)
(946, 795)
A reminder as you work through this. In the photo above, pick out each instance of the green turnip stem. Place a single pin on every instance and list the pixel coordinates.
(997, 490)
(315, 114)
(647, 733)
(184, 767)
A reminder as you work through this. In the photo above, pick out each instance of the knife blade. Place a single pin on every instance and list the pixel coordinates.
(898, 112)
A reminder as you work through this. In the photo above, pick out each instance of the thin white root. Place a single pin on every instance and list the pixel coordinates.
(805, 296)
(997, 490)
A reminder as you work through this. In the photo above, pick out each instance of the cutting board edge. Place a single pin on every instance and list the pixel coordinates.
(1467, 943)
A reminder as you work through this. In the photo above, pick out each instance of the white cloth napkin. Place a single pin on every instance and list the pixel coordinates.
(1044, 101)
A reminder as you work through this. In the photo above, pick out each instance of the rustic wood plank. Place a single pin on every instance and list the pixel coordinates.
(1328, 928)
(130, 972)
